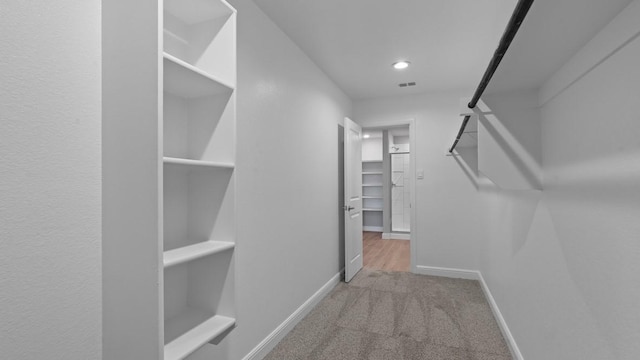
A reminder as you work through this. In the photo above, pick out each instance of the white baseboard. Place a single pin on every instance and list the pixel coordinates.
(477, 275)
(396, 236)
(266, 345)
(372, 228)
(448, 272)
(511, 342)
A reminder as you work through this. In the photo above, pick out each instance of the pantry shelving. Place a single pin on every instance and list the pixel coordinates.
(372, 195)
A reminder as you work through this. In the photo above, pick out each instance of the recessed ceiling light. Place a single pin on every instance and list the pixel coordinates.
(366, 136)
(401, 65)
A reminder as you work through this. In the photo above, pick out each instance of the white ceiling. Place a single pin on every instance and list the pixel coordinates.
(449, 42)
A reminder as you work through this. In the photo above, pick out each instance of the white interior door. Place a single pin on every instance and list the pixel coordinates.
(353, 198)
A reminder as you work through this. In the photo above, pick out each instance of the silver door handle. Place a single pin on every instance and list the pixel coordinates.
(348, 208)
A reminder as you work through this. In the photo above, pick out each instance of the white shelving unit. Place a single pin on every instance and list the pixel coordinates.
(199, 76)
(372, 195)
(169, 114)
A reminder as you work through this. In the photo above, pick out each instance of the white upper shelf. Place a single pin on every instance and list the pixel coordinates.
(196, 11)
(185, 80)
(201, 163)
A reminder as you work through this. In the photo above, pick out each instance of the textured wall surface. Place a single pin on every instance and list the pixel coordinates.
(50, 225)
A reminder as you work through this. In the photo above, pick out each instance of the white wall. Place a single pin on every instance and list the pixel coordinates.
(372, 149)
(509, 140)
(446, 197)
(131, 180)
(564, 265)
(287, 171)
(400, 140)
(50, 217)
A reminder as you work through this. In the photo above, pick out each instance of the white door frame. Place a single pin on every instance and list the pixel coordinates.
(383, 125)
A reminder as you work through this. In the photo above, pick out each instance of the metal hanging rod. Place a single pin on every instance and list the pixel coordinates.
(460, 132)
(519, 13)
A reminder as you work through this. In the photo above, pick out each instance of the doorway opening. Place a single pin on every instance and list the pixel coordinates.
(386, 198)
(385, 254)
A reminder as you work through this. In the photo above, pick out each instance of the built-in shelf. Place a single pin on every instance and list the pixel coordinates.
(372, 194)
(201, 163)
(198, 197)
(195, 251)
(187, 54)
(192, 340)
(185, 80)
(202, 33)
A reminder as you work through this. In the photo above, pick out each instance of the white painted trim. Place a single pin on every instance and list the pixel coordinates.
(372, 228)
(396, 236)
(477, 275)
(511, 341)
(448, 272)
(266, 345)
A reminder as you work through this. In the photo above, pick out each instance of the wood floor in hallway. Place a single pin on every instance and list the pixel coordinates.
(389, 255)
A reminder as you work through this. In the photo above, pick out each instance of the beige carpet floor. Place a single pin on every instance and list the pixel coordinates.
(383, 315)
